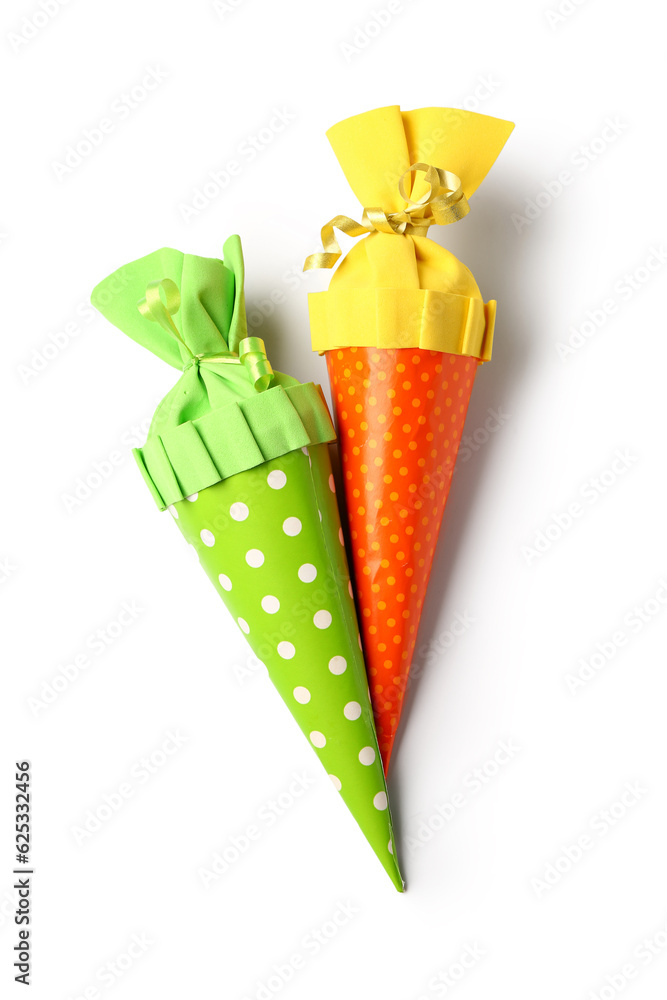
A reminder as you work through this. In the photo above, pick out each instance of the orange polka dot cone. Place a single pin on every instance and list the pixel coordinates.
(403, 327)
(239, 455)
(400, 417)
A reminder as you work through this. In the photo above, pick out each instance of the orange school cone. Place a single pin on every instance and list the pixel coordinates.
(400, 430)
(403, 327)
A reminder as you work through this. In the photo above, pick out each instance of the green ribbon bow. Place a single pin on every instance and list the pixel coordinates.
(229, 411)
(163, 300)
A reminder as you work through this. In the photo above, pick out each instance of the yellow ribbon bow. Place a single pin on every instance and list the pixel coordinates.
(163, 300)
(444, 202)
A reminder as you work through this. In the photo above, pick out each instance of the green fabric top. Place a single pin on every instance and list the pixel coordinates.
(214, 423)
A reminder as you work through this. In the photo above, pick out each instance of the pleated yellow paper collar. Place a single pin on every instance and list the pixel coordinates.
(397, 288)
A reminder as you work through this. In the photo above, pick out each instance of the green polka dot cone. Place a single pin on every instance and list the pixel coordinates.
(238, 453)
(270, 540)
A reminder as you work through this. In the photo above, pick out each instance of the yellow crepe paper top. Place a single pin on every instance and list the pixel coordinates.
(397, 289)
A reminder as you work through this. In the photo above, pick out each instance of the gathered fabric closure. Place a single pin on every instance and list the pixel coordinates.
(229, 411)
(163, 300)
(443, 203)
(395, 288)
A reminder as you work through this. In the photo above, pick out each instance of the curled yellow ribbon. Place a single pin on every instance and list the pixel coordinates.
(154, 309)
(444, 202)
(163, 300)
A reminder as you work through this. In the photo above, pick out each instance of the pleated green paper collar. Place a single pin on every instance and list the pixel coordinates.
(229, 411)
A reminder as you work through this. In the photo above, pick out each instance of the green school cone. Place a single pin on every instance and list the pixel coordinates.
(239, 455)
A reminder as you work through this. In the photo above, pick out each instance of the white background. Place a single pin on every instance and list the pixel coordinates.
(479, 882)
